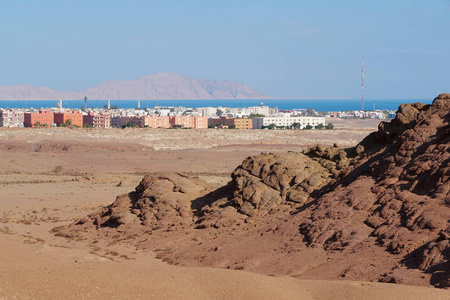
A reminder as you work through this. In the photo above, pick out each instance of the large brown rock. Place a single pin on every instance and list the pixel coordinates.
(271, 183)
(167, 201)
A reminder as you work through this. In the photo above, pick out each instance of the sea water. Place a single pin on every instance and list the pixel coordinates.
(282, 104)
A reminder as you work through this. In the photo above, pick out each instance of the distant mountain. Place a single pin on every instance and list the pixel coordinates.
(158, 86)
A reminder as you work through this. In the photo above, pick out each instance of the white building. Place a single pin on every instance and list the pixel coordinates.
(11, 118)
(258, 123)
(207, 111)
(262, 110)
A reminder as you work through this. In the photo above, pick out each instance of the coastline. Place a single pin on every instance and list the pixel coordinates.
(282, 104)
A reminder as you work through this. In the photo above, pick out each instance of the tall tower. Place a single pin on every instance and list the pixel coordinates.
(362, 84)
(139, 104)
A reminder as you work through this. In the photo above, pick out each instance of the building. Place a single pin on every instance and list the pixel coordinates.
(207, 111)
(114, 121)
(158, 122)
(243, 123)
(153, 121)
(200, 122)
(135, 121)
(96, 120)
(182, 121)
(43, 118)
(74, 117)
(11, 118)
(220, 121)
(258, 123)
(237, 123)
(260, 110)
(188, 122)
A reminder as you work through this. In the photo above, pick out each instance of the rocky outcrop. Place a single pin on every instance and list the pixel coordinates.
(263, 185)
(391, 191)
(275, 184)
(167, 201)
(271, 183)
(398, 192)
(434, 258)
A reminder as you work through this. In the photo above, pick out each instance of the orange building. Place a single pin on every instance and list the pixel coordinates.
(157, 122)
(96, 120)
(146, 121)
(37, 119)
(75, 118)
(243, 123)
(200, 122)
(189, 121)
(182, 121)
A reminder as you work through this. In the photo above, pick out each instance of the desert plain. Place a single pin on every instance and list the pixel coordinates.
(54, 177)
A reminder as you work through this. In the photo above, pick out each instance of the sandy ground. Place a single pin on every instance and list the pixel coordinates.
(52, 177)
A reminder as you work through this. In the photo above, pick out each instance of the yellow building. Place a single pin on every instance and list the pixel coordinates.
(243, 123)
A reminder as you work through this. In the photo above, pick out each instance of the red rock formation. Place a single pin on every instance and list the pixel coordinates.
(390, 192)
(398, 191)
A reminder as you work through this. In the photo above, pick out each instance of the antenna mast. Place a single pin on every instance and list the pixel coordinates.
(362, 84)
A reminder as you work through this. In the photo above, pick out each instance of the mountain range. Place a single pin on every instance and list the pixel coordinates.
(157, 86)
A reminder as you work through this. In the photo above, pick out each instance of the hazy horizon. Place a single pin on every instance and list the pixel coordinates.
(283, 49)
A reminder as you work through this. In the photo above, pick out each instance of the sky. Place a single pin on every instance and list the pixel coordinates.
(284, 49)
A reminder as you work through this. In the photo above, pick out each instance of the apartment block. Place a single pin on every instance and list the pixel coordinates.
(11, 118)
(238, 123)
(114, 121)
(207, 111)
(146, 121)
(220, 120)
(182, 121)
(135, 121)
(258, 123)
(189, 121)
(97, 120)
(75, 118)
(200, 122)
(42, 118)
(157, 122)
(262, 110)
(243, 123)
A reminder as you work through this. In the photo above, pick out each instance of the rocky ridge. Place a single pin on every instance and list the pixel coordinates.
(157, 86)
(389, 192)
(396, 192)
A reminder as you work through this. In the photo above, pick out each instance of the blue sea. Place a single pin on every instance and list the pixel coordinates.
(282, 104)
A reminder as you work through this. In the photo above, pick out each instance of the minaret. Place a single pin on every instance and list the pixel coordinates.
(362, 84)
(139, 104)
(109, 104)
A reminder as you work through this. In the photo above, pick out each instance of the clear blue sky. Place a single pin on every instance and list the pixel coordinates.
(281, 48)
